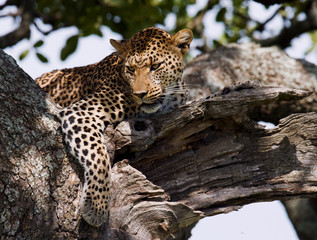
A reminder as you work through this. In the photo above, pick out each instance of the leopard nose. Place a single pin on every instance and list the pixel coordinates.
(140, 94)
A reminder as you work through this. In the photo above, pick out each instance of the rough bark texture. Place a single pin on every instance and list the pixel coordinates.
(303, 214)
(227, 65)
(205, 158)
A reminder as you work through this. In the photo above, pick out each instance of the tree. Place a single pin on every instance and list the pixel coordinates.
(88, 17)
(297, 16)
(227, 65)
(205, 158)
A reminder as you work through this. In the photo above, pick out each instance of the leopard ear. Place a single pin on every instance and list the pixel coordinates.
(120, 46)
(182, 40)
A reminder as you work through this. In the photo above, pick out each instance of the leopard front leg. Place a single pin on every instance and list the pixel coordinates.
(83, 125)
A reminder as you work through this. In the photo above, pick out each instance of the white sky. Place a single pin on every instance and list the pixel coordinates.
(256, 221)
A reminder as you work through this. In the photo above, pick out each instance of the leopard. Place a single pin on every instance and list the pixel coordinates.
(142, 77)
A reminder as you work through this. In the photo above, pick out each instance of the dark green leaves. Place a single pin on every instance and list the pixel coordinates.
(41, 57)
(70, 47)
(23, 54)
(38, 44)
(128, 17)
(221, 15)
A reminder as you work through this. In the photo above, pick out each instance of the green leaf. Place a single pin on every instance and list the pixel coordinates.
(38, 44)
(221, 15)
(115, 3)
(70, 47)
(98, 33)
(41, 57)
(237, 3)
(23, 55)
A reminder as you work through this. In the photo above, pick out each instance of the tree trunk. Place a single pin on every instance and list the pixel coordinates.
(205, 158)
(303, 214)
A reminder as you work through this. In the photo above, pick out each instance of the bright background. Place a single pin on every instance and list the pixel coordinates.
(255, 221)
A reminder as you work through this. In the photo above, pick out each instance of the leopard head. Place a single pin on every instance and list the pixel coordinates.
(153, 64)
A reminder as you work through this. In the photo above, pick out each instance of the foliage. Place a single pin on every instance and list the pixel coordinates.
(129, 16)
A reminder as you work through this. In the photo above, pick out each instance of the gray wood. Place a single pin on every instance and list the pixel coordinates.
(205, 158)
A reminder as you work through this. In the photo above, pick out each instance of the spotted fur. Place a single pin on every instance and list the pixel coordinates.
(142, 77)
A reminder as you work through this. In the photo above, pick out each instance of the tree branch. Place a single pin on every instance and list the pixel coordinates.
(211, 157)
(9, 3)
(260, 26)
(303, 215)
(272, 2)
(227, 65)
(196, 24)
(205, 158)
(284, 38)
(23, 31)
(233, 63)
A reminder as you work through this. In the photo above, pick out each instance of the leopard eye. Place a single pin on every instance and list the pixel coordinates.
(130, 68)
(155, 66)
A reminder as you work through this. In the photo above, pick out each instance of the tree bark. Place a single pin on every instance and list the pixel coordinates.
(226, 65)
(303, 214)
(233, 63)
(205, 158)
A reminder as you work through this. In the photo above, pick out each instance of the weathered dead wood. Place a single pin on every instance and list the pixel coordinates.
(203, 159)
(303, 215)
(232, 63)
(212, 157)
